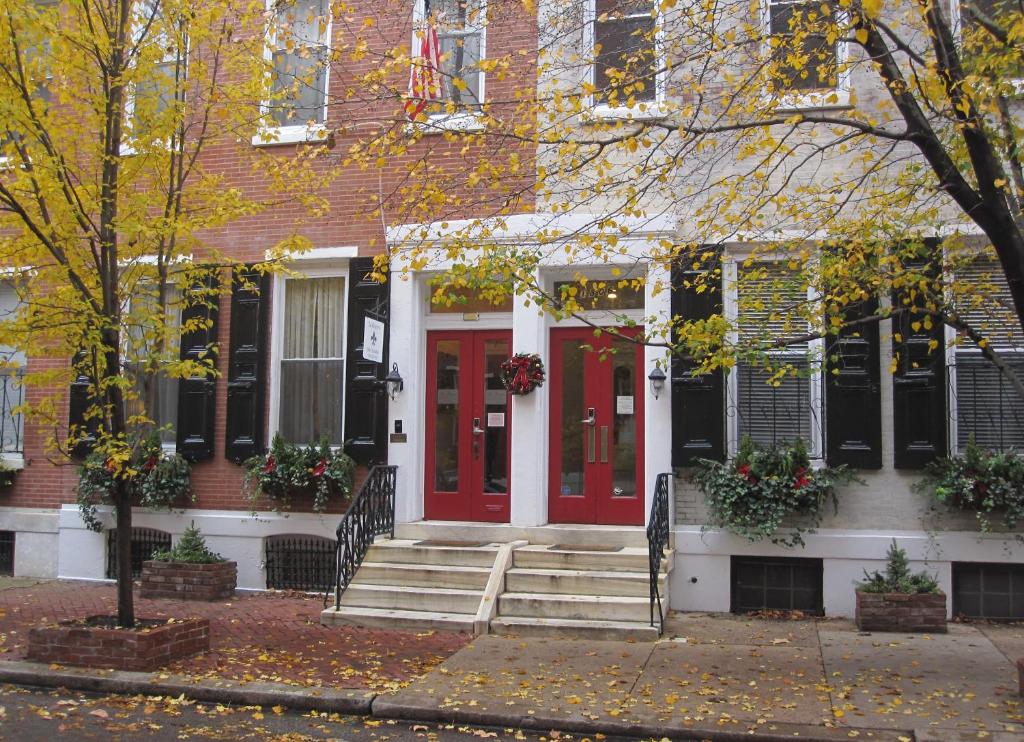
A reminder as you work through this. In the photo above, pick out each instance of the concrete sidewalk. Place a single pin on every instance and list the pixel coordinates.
(713, 676)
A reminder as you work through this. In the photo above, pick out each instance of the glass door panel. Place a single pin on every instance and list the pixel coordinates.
(496, 418)
(446, 417)
(571, 470)
(623, 409)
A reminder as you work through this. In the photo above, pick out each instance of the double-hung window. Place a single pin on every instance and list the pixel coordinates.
(775, 399)
(11, 390)
(312, 360)
(1002, 58)
(985, 405)
(36, 54)
(805, 47)
(626, 56)
(149, 349)
(162, 52)
(299, 54)
(460, 35)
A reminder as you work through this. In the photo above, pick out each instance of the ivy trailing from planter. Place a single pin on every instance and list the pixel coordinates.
(987, 483)
(156, 479)
(760, 489)
(287, 470)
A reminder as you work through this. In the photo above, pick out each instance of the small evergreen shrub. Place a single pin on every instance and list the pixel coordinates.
(155, 479)
(287, 470)
(753, 494)
(897, 577)
(191, 549)
(987, 483)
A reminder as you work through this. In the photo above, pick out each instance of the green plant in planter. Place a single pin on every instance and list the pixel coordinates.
(155, 479)
(758, 490)
(898, 577)
(7, 475)
(287, 470)
(191, 549)
(983, 482)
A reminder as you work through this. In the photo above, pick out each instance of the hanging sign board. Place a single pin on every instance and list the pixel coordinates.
(373, 340)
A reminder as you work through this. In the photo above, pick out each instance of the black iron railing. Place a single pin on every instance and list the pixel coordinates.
(371, 514)
(145, 541)
(657, 541)
(300, 562)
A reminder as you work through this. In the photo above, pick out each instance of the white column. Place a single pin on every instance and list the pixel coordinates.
(657, 412)
(530, 422)
(407, 350)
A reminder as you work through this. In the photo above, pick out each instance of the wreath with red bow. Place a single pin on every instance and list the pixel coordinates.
(522, 373)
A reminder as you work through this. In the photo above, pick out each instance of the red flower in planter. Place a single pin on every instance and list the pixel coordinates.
(271, 466)
(110, 465)
(150, 464)
(801, 479)
(319, 469)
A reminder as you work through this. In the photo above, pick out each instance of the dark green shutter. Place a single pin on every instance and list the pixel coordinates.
(853, 400)
(197, 393)
(79, 401)
(250, 294)
(919, 389)
(698, 402)
(366, 406)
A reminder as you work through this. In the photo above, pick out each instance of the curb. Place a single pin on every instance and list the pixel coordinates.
(368, 703)
(217, 691)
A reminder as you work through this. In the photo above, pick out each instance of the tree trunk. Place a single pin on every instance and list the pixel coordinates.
(125, 598)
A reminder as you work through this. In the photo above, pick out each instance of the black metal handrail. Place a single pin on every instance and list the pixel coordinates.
(657, 540)
(371, 514)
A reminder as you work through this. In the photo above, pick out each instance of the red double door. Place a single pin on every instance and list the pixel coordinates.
(597, 423)
(468, 426)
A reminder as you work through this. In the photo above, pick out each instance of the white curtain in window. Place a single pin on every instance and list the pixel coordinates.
(314, 311)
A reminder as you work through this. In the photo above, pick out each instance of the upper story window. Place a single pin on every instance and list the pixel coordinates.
(11, 391)
(312, 362)
(148, 350)
(162, 48)
(299, 49)
(625, 52)
(460, 34)
(978, 19)
(807, 61)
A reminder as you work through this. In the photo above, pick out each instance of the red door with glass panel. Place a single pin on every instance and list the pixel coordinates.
(468, 426)
(597, 423)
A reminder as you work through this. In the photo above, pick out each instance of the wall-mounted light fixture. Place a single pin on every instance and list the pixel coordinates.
(393, 381)
(657, 378)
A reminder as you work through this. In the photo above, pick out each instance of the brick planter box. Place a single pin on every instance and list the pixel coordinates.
(901, 612)
(185, 581)
(144, 648)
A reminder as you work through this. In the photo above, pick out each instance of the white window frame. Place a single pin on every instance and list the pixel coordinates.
(311, 267)
(815, 353)
(272, 135)
(459, 121)
(956, 25)
(15, 459)
(5, 161)
(826, 98)
(647, 110)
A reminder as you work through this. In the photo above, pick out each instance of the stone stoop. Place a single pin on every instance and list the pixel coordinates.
(576, 592)
(404, 584)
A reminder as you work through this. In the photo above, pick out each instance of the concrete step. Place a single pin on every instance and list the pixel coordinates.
(385, 618)
(580, 582)
(628, 559)
(577, 607)
(429, 576)
(635, 536)
(405, 551)
(401, 597)
(574, 629)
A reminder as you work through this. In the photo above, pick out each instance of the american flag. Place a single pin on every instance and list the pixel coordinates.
(424, 74)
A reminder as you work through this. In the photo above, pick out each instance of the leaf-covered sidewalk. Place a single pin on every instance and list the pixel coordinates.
(254, 637)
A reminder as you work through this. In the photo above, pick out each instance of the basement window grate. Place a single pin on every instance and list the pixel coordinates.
(991, 591)
(145, 541)
(776, 584)
(300, 562)
(7, 553)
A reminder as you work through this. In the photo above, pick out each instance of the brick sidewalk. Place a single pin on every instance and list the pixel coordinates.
(254, 637)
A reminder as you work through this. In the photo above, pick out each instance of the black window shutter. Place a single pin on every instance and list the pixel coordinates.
(698, 402)
(366, 407)
(919, 389)
(250, 294)
(197, 394)
(853, 400)
(79, 400)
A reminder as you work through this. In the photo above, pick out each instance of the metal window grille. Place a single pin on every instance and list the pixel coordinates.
(12, 394)
(985, 404)
(300, 562)
(770, 583)
(7, 553)
(992, 591)
(145, 541)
